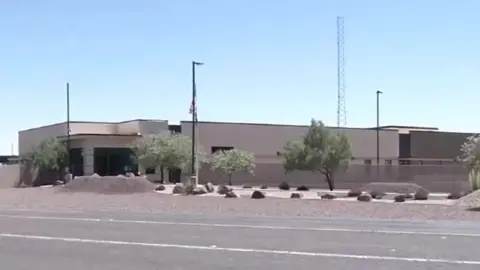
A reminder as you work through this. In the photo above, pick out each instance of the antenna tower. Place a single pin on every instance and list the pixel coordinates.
(341, 108)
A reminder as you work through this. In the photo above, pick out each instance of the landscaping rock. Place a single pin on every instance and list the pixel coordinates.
(257, 194)
(303, 188)
(421, 194)
(178, 189)
(377, 195)
(455, 195)
(209, 187)
(247, 186)
(222, 189)
(130, 174)
(296, 196)
(354, 193)
(263, 187)
(400, 198)
(284, 186)
(199, 191)
(230, 194)
(364, 198)
(328, 196)
(160, 188)
(96, 175)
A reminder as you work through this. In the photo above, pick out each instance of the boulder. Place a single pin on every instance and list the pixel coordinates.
(222, 189)
(303, 188)
(209, 187)
(328, 196)
(364, 198)
(230, 194)
(284, 186)
(257, 194)
(421, 194)
(130, 174)
(160, 188)
(296, 196)
(400, 198)
(263, 186)
(178, 189)
(96, 175)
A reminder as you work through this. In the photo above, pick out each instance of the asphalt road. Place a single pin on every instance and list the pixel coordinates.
(125, 241)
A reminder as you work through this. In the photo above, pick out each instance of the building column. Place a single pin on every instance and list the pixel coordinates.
(88, 160)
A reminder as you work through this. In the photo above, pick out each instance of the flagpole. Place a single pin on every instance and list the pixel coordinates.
(193, 110)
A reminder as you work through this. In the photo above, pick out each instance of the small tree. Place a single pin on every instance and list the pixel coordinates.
(50, 155)
(172, 151)
(232, 161)
(470, 157)
(319, 151)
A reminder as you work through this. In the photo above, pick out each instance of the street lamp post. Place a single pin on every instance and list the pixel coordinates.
(193, 110)
(378, 126)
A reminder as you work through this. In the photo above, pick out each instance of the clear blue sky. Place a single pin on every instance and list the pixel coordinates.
(265, 61)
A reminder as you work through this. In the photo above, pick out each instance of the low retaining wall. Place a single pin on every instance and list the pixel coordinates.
(432, 177)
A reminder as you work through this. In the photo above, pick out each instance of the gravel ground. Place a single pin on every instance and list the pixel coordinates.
(50, 199)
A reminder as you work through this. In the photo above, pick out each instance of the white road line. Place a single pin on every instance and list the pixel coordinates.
(242, 226)
(243, 250)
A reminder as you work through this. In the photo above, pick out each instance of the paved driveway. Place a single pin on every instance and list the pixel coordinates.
(113, 240)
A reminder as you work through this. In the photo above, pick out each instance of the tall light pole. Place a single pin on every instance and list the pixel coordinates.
(68, 129)
(193, 111)
(378, 126)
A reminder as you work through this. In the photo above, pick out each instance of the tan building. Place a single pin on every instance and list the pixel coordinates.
(103, 148)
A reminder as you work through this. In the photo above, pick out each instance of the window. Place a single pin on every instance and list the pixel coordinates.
(388, 162)
(367, 162)
(150, 170)
(221, 148)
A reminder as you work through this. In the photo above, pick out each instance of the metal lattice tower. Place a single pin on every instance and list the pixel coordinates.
(341, 104)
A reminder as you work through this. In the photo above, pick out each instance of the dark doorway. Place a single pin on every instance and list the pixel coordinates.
(174, 176)
(114, 161)
(76, 161)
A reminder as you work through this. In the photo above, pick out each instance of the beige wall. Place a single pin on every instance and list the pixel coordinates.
(265, 140)
(9, 175)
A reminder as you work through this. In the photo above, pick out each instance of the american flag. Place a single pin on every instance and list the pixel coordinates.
(193, 104)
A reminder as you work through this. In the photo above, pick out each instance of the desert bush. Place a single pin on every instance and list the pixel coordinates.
(303, 188)
(354, 193)
(257, 194)
(455, 195)
(284, 186)
(328, 196)
(377, 195)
